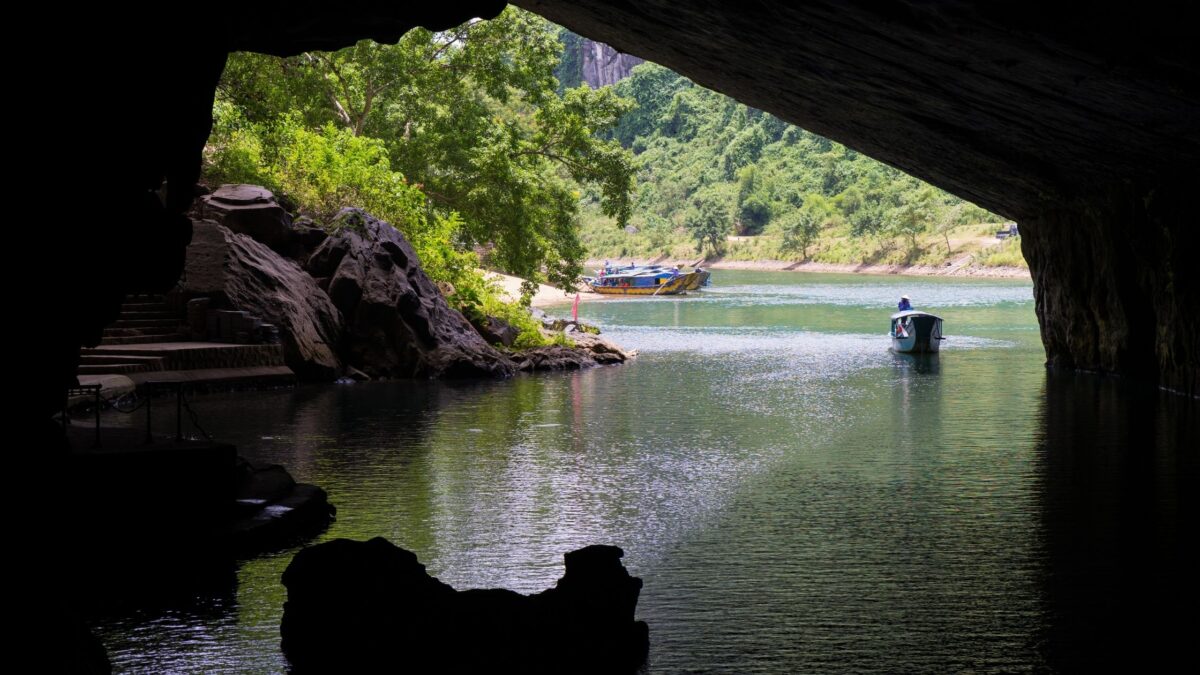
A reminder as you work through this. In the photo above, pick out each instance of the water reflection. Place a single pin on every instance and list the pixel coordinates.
(797, 498)
(1116, 468)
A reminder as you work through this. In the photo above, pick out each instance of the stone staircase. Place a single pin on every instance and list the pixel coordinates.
(145, 318)
(149, 343)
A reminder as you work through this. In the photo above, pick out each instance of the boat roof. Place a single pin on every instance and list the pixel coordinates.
(912, 312)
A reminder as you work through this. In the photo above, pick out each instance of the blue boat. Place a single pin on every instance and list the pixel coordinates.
(916, 332)
(646, 280)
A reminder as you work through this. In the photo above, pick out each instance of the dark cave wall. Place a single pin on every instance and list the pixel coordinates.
(1115, 279)
(1080, 124)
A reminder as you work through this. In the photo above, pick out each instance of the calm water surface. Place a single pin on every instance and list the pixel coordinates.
(796, 498)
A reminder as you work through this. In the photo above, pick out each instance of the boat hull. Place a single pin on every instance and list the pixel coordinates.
(916, 333)
(698, 279)
(912, 345)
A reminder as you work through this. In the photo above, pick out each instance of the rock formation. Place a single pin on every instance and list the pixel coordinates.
(250, 210)
(588, 351)
(370, 606)
(240, 273)
(595, 63)
(397, 324)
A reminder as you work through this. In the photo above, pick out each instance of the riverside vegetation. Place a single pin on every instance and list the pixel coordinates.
(719, 178)
(460, 139)
(467, 141)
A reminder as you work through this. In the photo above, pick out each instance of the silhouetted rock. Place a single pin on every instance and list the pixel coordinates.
(239, 273)
(273, 510)
(397, 324)
(368, 606)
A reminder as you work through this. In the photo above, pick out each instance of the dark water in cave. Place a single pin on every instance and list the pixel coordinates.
(795, 497)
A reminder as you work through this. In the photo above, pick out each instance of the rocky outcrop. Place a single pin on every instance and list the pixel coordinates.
(250, 210)
(370, 606)
(397, 324)
(272, 510)
(588, 350)
(239, 273)
(601, 65)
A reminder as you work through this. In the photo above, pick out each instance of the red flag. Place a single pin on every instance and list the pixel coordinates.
(575, 309)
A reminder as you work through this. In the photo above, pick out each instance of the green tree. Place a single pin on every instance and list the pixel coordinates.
(801, 226)
(913, 216)
(753, 201)
(710, 218)
(472, 116)
(948, 219)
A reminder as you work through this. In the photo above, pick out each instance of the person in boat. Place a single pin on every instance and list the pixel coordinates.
(905, 304)
(675, 272)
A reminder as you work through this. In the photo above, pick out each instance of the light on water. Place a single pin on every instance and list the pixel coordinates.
(796, 497)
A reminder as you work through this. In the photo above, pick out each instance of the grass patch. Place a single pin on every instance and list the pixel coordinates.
(1006, 254)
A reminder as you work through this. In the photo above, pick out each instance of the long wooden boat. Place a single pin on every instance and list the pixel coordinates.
(916, 332)
(645, 282)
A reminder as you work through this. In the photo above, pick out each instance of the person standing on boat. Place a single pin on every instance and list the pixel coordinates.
(904, 305)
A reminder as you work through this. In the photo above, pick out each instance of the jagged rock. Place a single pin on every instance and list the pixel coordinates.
(370, 606)
(495, 330)
(239, 273)
(397, 324)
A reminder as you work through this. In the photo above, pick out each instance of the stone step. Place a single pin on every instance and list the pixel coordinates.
(146, 307)
(150, 362)
(111, 368)
(259, 376)
(181, 355)
(147, 332)
(172, 322)
(134, 314)
(142, 339)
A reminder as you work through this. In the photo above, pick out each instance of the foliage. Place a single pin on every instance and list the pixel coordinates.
(796, 189)
(801, 226)
(473, 117)
(709, 219)
(462, 139)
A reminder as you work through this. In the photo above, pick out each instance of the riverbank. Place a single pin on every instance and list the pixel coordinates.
(950, 269)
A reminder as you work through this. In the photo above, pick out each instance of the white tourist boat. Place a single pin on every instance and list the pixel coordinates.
(916, 332)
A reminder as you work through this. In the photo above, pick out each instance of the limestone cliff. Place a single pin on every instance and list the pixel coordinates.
(592, 62)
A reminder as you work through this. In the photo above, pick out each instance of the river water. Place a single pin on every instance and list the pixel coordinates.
(795, 497)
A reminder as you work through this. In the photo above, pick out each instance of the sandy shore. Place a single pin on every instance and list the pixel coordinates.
(952, 269)
(546, 295)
